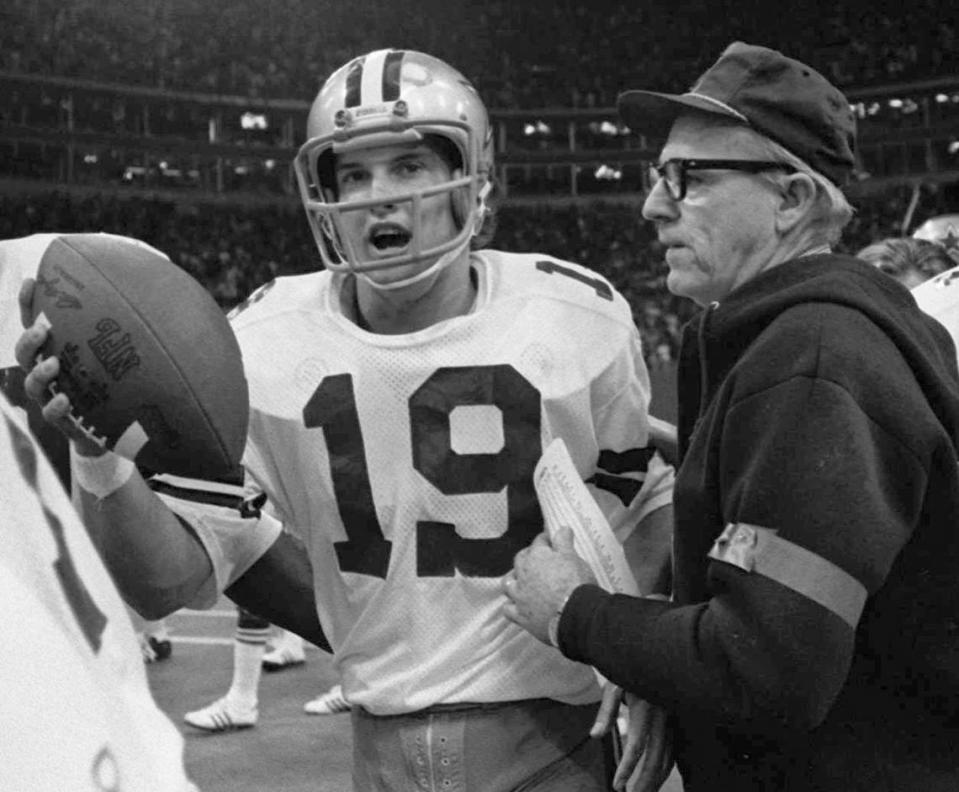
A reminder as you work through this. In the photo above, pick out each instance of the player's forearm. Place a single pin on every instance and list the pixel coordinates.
(156, 561)
(734, 660)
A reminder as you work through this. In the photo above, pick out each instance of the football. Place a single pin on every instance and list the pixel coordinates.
(148, 359)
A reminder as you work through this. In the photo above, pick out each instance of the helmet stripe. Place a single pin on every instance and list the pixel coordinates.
(391, 75)
(372, 87)
(354, 79)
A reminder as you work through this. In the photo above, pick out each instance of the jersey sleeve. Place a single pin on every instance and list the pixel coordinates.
(228, 519)
(631, 479)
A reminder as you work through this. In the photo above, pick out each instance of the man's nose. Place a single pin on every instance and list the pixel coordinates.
(658, 204)
(382, 188)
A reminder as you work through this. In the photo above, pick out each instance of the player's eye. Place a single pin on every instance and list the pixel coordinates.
(410, 167)
(350, 177)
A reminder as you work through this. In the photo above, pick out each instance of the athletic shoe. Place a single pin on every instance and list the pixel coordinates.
(154, 649)
(282, 657)
(222, 715)
(329, 703)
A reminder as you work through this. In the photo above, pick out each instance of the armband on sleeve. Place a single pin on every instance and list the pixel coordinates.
(755, 549)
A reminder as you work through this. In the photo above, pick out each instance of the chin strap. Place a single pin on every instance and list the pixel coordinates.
(443, 261)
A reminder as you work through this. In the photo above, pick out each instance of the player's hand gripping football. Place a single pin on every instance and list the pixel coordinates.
(647, 740)
(40, 375)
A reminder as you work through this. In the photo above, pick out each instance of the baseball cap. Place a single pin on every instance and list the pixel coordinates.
(783, 99)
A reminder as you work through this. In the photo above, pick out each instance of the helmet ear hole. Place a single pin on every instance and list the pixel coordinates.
(459, 202)
(326, 176)
(446, 150)
(451, 155)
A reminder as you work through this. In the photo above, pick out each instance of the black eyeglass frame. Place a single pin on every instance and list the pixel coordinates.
(673, 171)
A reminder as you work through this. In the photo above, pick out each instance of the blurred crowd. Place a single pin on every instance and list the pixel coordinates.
(562, 53)
(232, 249)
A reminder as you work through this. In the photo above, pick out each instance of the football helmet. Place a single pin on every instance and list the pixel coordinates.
(943, 230)
(388, 97)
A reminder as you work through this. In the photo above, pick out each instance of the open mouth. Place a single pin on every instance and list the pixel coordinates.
(390, 237)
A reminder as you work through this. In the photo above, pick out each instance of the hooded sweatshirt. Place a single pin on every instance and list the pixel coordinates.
(818, 410)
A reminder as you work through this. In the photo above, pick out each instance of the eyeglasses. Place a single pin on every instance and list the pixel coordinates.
(673, 172)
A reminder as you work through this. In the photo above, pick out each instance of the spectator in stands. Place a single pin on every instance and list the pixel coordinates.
(907, 260)
(583, 53)
(811, 641)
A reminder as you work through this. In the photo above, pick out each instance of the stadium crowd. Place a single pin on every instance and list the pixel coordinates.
(521, 55)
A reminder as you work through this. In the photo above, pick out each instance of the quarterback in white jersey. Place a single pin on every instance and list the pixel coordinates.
(400, 400)
(77, 712)
(407, 463)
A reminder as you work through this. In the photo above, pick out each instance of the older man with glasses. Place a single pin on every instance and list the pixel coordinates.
(812, 639)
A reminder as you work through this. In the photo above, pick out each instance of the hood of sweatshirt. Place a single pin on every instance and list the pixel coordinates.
(716, 338)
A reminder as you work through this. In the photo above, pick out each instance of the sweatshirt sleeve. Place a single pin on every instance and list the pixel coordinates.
(802, 461)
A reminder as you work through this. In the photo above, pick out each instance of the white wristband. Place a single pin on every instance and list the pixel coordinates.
(101, 475)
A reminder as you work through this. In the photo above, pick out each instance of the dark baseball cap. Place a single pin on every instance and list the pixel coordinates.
(783, 99)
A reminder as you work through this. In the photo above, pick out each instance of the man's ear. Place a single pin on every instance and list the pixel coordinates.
(796, 202)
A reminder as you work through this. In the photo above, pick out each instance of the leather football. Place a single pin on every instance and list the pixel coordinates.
(148, 360)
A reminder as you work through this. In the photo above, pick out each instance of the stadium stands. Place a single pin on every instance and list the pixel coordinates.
(531, 56)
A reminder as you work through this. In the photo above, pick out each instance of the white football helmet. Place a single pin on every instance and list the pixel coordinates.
(384, 98)
(943, 230)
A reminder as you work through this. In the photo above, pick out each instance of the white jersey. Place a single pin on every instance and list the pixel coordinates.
(76, 710)
(939, 297)
(405, 462)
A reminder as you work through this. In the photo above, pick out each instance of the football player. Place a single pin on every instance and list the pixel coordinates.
(77, 711)
(401, 398)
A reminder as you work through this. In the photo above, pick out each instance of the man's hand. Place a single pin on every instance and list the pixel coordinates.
(647, 739)
(543, 577)
(40, 376)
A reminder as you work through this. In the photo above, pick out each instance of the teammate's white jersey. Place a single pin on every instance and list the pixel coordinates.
(406, 463)
(939, 297)
(75, 708)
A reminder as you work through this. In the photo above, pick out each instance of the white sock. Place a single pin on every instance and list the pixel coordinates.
(157, 629)
(249, 646)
